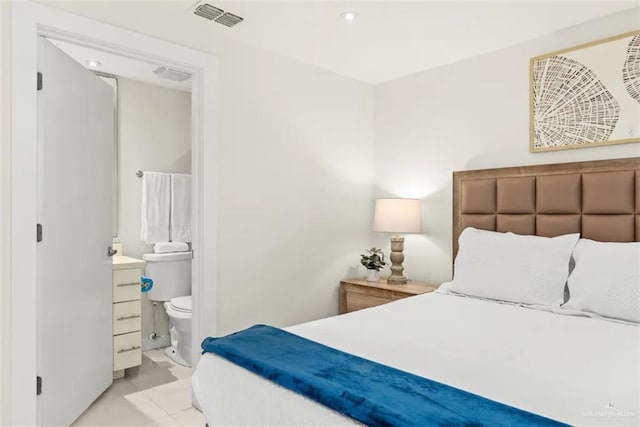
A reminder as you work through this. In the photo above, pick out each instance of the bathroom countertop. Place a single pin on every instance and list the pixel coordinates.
(121, 262)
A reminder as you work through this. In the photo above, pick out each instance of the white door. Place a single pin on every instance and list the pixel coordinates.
(75, 156)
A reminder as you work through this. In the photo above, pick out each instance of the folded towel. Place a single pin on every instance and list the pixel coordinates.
(155, 209)
(180, 207)
(166, 247)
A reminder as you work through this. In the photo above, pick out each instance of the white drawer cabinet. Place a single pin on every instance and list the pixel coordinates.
(126, 284)
(127, 350)
(127, 315)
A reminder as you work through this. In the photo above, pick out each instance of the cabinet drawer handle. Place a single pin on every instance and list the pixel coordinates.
(124, 350)
(133, 316)
(128, 284)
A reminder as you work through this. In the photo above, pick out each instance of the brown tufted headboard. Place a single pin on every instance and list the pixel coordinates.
(599, 199)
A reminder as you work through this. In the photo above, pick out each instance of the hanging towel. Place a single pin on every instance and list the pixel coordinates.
(180, 207)
(167, 247)
(155, 209)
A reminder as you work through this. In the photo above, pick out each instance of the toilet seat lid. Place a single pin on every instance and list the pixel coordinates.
(181, 303)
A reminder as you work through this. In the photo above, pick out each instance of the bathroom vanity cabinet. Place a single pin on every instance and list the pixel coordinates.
(127, 314)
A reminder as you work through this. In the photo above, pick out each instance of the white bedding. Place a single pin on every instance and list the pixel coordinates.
(578, 370)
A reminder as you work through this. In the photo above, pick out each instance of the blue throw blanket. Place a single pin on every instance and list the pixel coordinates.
(366, 391)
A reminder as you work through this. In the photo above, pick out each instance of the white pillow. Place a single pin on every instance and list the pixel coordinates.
(512, 267)
(606, 279)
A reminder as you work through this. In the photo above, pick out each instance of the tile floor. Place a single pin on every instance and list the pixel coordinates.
(158, 393)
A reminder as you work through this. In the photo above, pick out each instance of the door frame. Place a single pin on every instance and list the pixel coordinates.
(29, 21)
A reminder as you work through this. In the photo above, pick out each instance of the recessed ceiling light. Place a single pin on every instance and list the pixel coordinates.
(92, 63)
(349, 16)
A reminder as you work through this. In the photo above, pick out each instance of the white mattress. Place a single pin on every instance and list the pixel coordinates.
(578, 370)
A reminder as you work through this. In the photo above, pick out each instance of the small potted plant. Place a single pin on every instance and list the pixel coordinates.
(373, 261)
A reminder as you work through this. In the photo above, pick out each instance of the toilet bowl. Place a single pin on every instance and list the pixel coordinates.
(171, 275)
(179, 312)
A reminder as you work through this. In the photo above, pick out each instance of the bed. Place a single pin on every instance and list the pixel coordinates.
(565, 365)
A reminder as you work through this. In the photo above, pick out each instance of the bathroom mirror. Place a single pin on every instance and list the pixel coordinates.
(113, 82)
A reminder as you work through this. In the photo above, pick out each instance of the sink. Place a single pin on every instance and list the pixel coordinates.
(121, 262)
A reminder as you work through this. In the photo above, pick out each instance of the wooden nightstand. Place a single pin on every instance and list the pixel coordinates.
(356, 294)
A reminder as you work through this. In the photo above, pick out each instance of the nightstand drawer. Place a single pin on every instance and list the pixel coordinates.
(356, 294)
(358, 301)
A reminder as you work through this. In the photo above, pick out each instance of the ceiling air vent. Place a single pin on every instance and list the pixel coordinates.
(171, 74)
(207, 11)
(218, 15)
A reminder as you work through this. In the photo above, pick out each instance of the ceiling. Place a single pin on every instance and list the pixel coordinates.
(388, 40)
(120, 66)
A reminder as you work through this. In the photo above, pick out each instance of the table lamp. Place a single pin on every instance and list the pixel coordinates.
(397, 216)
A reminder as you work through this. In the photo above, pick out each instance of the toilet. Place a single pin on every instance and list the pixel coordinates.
(179, 312)
(171, 275)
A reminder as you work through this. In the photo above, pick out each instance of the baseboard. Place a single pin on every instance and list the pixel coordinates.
(160, 342)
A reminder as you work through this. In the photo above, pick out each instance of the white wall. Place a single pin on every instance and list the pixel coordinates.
(473, 114)
(296, 167)
(155, 135)
(5, 209)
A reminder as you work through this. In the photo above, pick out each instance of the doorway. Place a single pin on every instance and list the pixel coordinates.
(29, 21)
(103, 120)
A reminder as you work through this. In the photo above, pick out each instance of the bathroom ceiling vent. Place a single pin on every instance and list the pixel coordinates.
(207, 11)
(171, 74)
(218, 15)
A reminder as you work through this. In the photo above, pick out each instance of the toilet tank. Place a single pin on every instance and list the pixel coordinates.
(171, 275)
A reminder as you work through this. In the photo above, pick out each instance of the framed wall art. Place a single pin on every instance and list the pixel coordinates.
(587, 95)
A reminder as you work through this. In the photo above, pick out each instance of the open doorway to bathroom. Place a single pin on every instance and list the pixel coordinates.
(30, 23)
(151, 231)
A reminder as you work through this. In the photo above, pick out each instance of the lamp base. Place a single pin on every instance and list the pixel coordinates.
(401, 280)
(397, 257)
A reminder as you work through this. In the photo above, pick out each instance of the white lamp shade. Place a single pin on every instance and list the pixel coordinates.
(398, 216)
